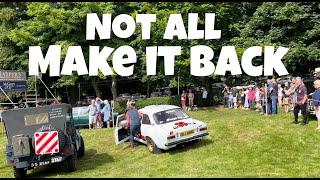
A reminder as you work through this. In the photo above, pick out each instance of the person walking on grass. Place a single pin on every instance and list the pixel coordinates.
(301, 101)
(92, 110)
(316, 100)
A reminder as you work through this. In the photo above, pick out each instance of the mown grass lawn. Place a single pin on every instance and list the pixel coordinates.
(242, 143)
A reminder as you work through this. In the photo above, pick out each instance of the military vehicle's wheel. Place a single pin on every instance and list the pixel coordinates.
(152, 147)
(19, 173)
(82, 148)
(72, 160)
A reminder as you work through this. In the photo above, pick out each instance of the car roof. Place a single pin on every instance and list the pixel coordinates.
(157, 108)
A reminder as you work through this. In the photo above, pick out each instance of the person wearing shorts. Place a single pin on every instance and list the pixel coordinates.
(92, 110)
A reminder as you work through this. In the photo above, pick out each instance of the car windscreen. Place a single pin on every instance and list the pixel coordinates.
(169, 116)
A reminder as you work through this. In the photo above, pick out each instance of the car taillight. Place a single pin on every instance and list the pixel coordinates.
(203, 129)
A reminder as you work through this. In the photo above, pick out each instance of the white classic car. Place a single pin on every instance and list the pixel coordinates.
(162, 127)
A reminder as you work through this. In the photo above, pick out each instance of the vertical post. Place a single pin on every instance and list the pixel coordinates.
(35, 86)
(46, 97)
(79, 91)
(178, 85)
(266, 97)
(25, 96)
(112, 118)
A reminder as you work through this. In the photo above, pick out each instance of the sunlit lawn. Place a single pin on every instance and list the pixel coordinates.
(242, 143)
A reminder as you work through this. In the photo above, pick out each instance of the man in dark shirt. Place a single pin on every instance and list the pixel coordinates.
(274, 96)
(301, 101)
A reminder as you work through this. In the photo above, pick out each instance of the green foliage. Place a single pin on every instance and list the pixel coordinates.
(290, 24)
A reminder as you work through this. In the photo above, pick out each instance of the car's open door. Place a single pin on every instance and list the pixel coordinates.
(120, 133)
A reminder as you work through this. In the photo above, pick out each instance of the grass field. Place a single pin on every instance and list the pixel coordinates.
(241, 144)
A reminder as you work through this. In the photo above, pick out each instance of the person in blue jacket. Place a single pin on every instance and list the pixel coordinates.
(133, 118)
(106, 111)
(316, 100)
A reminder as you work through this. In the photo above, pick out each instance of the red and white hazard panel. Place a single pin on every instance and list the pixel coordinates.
(46, 142)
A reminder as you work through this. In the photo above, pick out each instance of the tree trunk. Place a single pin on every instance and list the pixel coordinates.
(114, 87)
(67, 95)
(148, 88)
(96, 87)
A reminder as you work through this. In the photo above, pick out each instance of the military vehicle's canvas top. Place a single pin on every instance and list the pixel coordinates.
(27, 120)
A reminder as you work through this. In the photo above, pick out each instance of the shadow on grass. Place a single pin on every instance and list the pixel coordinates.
(90, 160)
(312, 117)
(188, 146)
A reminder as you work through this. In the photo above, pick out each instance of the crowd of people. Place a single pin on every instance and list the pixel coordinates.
(191, 101)
(99, 117)
(268, 99)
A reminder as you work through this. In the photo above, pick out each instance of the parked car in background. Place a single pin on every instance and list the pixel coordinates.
(166, 91)
(156, 94)
(162, 127)
(137, 96)
(81, 116)
(124, 97)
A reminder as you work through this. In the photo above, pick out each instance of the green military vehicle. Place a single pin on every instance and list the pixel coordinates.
(40, 136)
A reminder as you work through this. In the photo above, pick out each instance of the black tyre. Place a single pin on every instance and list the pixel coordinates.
(152, 147)
(19, 173)
(72, 161)
(82, 148)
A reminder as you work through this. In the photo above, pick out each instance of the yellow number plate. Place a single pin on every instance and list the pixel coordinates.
(186, 133)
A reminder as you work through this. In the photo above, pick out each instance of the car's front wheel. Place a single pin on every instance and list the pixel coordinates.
(152, 147)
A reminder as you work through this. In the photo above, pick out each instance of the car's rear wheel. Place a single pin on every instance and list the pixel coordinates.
(81, 149)
(19, 173)
(152, 147)
(72, 161)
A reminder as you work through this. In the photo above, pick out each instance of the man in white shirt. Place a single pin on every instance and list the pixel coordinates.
(204, 97)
